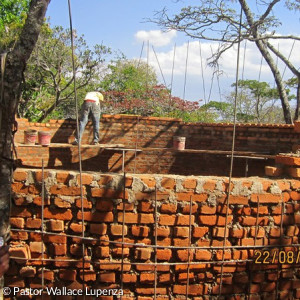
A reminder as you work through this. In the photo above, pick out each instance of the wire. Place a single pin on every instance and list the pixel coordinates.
(79, 141)
(185, 73)
(232, 147)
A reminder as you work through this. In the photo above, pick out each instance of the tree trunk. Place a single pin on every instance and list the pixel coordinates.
(261, 45)
(12, 79)
(297, 111)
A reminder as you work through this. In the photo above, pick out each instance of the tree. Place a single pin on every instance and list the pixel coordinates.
(10, 94)
(49, 83)
(218, 21)
(12, 18)
(130, 76)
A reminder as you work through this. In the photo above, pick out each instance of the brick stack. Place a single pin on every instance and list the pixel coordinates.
(261, 212)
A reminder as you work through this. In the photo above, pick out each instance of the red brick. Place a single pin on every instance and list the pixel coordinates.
(109, 193)
(220, 232)
(129, 278)
(100, 229)
(96, 216)
(56, 225)
(62, 177)
(57, 213)
(287, 160)
(293, 172)
(168, 208)
(266, 198)
(189, 183)
(150, 291)
(184, 220)
(128, 206)
(275, 232)
(77, 227)
(186, 209)
(144, 206)
(33, 223)
(163, 231)
(17, 222)
(183, 255)
(105, 179)
(66, 191)
(37, 247)
(143, 253)
(200, 231)
(148, 181)
(167, 219)
(295, 195)
(59, 249)
(47, 274)
(59, 238)
(207, 210)
(20, 175)
(193, 289)
(61, 203)
(102, 252)
(181, 231)
(168, 183)
(104, 205)
(140, 230)
(87, 275)
(120, 252)
(209, 185)
(242, 200)
(107, 277)
(273, 171)
(208, 220)
(116, 229)
(257, 232)
(67, 274)
(164, 254)
(20, 212)
(27, 271)
(77, 250)
(147, 277)
(86, 179)
(203, 255)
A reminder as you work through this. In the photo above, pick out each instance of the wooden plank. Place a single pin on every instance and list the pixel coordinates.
(64, 145)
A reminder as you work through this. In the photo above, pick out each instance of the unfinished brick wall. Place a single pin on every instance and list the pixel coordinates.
(154, 136)
(261, 213)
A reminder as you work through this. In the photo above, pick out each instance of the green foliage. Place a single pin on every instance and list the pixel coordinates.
(49, 84)
(129, 75)
(12, 18)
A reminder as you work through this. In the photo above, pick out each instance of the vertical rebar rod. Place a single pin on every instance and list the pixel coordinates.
(202, 73)
(232, 148)
(79, 145)
(155, 242)
(255, 238)
(279, 269)
(42, 225)
(186, 64)
(136, 142)
(189, 250)
(123, 224)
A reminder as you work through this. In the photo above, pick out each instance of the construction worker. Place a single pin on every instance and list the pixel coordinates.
(90, 106)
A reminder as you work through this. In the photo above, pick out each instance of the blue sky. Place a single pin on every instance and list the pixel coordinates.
(121, 25)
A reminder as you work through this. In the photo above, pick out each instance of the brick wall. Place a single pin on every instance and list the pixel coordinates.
(154, 136)
(261, 212)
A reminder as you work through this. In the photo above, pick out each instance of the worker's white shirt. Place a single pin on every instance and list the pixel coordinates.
(94, 96)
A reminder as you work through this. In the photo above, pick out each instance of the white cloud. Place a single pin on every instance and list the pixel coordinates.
(157, 38)
(250, 66)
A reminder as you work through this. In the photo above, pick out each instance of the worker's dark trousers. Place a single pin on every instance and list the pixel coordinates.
(87, 109)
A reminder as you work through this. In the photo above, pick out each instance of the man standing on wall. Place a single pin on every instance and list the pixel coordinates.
(90, 106)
